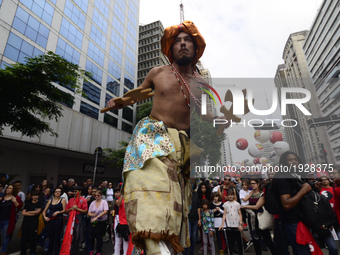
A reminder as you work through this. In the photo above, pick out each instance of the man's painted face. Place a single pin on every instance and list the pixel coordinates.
(183, 49)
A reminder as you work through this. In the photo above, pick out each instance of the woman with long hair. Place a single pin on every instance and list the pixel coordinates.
(256, 201)
(10, 205)
(98, 213)
(46, 188)
(54, 218)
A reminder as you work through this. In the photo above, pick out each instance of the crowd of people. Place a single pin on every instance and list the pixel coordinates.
(220, 213)
(99, 213)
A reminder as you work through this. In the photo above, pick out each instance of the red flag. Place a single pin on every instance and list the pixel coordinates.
(67, 242)
(304, 236)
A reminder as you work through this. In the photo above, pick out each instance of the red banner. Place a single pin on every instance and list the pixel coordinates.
(67, 242)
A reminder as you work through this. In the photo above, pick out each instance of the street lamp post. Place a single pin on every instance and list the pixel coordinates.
(98, 152)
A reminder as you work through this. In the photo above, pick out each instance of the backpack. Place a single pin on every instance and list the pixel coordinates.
(272, 202)
(315, 210)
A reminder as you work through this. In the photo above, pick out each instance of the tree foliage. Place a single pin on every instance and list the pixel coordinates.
(144, 110)
(117, 155)
(204, 136)
(28, 96)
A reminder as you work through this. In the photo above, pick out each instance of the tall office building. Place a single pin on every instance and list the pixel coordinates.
(293, 134)
(322, 51)
(315, 140)
(101, 37)
(149, 50)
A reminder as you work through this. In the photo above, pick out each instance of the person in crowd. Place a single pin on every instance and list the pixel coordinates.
(3, 179)
(98, 212)
(29, 227)
(193, 221)
(89, 182)
(21, 194)
(335, 175)
(69, 188)
(239, 182)
(206, 220)
(53, 215)
(122, 229)
(37, 187)
(88, 193)
(225, 187)
(203, 192)
(114, 216)
(10, 205)
(256, 201)
(289, 211)
(46, 188)
(245, 193)
(89, 198)
(217, 207)
(109, 193)
(64, 183)
(323, 184)
(80, 206)
(232, 213)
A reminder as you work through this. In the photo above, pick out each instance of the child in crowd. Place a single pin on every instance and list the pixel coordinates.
(232, 213)
(217, 208)
(245, 194)
(207, 221)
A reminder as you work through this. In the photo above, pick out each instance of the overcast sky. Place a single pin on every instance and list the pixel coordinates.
(245, 38)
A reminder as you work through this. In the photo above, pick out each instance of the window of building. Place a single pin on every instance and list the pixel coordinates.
(99, 20)
(114, 69)
(116, 54)
(130, 68)
(82, 4)
(75, 14)
(127, 127)
(97, 36)
(120, 14)
(118, 25)
(41, 8)
(92, 92)
(131, 41)
(103, 8)
(121, 3)
(113, 86)
(67, 51)
(112, 121)
(17, 49)
(71, 33)
(130, 54)
(128, 114)
(89, 110)
(96, 54)
(30, 27)
(97, 73)
(129, 82)
(116, 39)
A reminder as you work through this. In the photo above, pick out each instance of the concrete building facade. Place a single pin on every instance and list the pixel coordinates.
(149, 51)
(322, 51)
(101, 37)
(298, 76)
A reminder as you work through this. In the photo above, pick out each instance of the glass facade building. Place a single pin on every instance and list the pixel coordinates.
(101, 36)
(98, 35)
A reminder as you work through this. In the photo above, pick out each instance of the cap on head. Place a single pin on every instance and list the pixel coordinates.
(170, 33)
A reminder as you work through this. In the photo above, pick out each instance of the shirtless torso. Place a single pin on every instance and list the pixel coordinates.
(169, 104)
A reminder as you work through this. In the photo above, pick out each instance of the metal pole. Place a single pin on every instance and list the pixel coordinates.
(95, 168)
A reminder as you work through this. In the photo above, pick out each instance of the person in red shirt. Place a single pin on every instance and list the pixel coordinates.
(122, 229)
(81, 209)
(335, 175)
